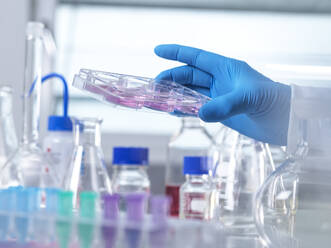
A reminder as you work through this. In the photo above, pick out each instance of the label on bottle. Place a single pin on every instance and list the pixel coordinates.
(195, 205)
(60, 156)
(198, 205)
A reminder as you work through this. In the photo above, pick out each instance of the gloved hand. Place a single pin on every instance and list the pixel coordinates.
(243, 99)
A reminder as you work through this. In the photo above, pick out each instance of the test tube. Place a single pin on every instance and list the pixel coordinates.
(111, 208)
(10, 205)
(34, 199)
(87, 207)
(44, 224)
(4, 213)
(135, 207)
(51, 200)
(34, 206)
(160, 208)
(21, 218)
(64, 222)
(159, 230)
(111, 213)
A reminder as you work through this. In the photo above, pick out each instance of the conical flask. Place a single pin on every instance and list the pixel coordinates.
(8, 139)
(87, 169)
(242, 168)
(28, 166)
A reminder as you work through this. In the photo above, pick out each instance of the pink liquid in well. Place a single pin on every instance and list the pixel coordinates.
(189, 110)
(138, 97)
(165, 107)
(127, 101)
(172, 191)
(96, 89)
(160, 100)
(132, 98)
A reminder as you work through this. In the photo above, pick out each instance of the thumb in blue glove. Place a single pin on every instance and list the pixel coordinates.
(242, 98)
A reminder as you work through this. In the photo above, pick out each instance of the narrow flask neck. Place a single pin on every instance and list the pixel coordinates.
(88, 132)
(5, 101)
(32, 88)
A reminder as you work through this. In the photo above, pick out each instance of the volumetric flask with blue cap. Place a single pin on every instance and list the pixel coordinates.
(28, 166)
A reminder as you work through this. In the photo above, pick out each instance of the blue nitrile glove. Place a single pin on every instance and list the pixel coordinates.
(243, 99)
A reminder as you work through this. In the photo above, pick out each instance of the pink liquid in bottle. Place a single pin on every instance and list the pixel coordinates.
(172, 191)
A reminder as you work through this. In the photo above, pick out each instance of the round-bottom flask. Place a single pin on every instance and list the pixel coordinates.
(293, 205)
(28, 166)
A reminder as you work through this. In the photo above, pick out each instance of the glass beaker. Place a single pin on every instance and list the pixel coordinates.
(87, 169)
(192, 140)
(29, 166)
(8, 139)
(242, 168)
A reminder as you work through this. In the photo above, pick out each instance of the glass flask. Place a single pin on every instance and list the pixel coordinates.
(278, 154)
(197, 195)
(87, 169)
(242, 168)
(8, 139)
(29, 166)
(293, 208)
(192, 140)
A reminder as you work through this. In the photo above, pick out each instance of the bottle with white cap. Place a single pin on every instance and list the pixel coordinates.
(58, 143)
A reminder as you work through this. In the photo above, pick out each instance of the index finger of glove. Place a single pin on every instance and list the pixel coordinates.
(198, 58)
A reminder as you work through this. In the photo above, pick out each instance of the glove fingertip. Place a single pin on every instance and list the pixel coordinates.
(157, 49)
(202, 113)
(162, 76)
(160, 49)
(215, 110)
(167, 51)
